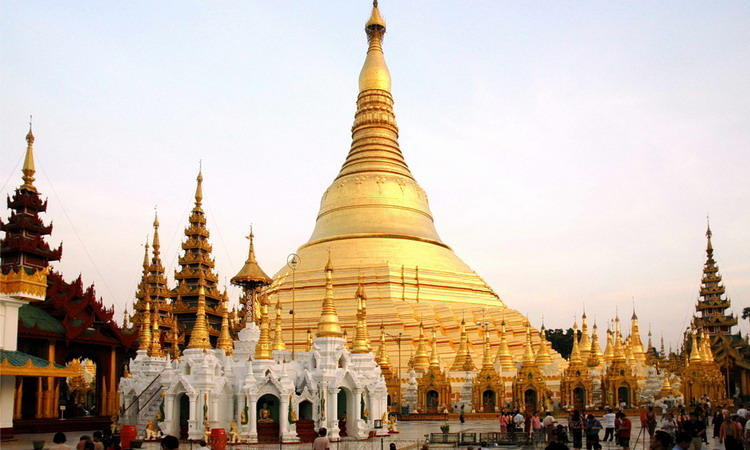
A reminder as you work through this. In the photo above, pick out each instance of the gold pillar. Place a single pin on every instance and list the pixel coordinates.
(49, 390)
(39, 412)
(18, 399)
(102, 406)
(112, 404)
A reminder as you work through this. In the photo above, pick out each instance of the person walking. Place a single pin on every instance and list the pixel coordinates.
(668, 425)
(623, 430)
(731, 434)
(592, 428)
(695, 429)
(608, 420)
(321, 442)
(549, 424)
(575, 423)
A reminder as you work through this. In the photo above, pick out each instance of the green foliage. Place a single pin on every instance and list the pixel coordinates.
(746, 312)
(562, 341)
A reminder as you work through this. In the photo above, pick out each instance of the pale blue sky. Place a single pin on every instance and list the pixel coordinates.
(571, 150)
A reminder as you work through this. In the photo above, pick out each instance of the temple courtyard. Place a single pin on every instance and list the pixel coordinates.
(411, 436)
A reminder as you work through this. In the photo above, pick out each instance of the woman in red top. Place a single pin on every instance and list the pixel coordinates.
(624, 429)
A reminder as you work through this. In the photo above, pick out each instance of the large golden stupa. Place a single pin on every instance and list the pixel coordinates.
(376, 225)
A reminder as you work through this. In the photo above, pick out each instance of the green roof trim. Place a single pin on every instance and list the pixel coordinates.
(31, 317)
(16, 358)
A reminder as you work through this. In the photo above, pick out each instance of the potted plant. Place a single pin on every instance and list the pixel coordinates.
(445, 428)
(38, 445)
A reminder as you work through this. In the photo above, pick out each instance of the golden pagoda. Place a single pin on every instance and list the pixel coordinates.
(421, 359)
(463, 361)
(619, 383)
(391, 377)
(585, 342)
(199, 337)
(263, 347)
(197, 272)
(529, 387)
(251, 278)
(375, 218)
(596, 356)
(361, 342)
(278, 337)
(543, 355)
(225, 341)
(155, 348)
(504, 358)
(488, 390)
(576, 385)
(636, 346)
(433, 389)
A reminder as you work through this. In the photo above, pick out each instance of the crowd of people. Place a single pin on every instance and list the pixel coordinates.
(670, 430)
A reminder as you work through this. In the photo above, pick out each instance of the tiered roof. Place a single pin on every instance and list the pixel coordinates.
(713, 304)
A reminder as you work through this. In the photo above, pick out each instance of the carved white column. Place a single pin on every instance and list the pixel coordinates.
(332, 414)
(252, 419)
(193, 420)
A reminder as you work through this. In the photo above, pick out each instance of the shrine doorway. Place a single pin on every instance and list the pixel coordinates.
(305, 423)
(343, 403)
(623, 395)
(489, 400)
(432, 399)
(183, 414)
(530, 399)
(579, 398)
(267, 416)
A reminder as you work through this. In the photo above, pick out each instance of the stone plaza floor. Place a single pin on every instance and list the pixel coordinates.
(411, 436)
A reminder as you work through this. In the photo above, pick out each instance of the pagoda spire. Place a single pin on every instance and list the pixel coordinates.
(595, 355)
(28, 163)
(585, 343)
(421, 358)
(278, 337)
(155, 349)
(263, 347)
(175, 338)
(328, 325)
(463, 361)
(144, 334)
(712, 305)
(309, 341)
(382, 356)
(199, 336)
(636, 346)
(543, 356)
(609, 349)
(225, 339)
(528, 351)
(695, 351)
(575, 354)
(361, 342)
(251, 278)
(486, 354)
(504, 357)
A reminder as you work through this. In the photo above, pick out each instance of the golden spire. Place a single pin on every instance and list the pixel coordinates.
(144, 335)
(585, 343)
(504, 356)
(156, 243)
(374, 73)
(666, 387)
(225, 339)
(28, 163)
(251, 271)
(361, 342)
(263, 347)
(155, 349)
(145, 258)
(328, 325)
(486, 355)
(278, 338)
(636, 346)
(695, 351)
(382, 355)
(707, 354)
(609, 349)
(199, 333)
(575, 354)
(620, 354)
(528, 352)
(421, 358)
(309, 345)
(199, 189)
(595, 355)
(434, 358)
(463, 354)
(175, 340)
(543, 356)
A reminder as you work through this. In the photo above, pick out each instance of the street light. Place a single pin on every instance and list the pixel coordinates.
(292, 261)
(398, 341)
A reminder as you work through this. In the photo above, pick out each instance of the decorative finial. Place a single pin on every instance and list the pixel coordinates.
(225, 339)
(199, 187)
(144, 335)
(199, 335)
(263, 347)
(28, 163)
(155, 349)
(278, 337)
(329, 325)
(361, 342)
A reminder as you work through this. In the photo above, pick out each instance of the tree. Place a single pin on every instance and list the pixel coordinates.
(562, 341)
(746, 313)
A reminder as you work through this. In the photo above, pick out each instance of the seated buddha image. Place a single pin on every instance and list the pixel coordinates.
(265, 414)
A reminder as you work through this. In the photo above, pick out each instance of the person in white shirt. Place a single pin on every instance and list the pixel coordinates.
(742, 412)
(608, 420)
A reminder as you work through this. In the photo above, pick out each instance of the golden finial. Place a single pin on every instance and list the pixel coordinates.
(374, 73)
(145, 257)
(543, 356)
(144, 335)
(28, 162)
(278, 338)
(434, 358)
(328, 325)
(309, 346)
(620, 354)
(575, 354)
(609, 349)
(199, 334)
(421, 358)
(463, 355)
(225, 339)
(595, 354)
(263, 347)
(175, 341)
(585, 342)
(155, 335)
(504, 356)
(361, 342)
(382, 356)
(695, 351)
(156, 243)
(528, 353)
(199, 187)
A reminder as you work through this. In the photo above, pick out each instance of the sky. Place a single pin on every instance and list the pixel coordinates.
(571, 150)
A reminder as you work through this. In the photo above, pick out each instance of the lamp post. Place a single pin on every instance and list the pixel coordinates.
(292, 261)
(398, 342)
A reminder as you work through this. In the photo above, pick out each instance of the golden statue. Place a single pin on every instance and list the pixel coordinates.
(393, 425)
(366, 414)
(151, 432)
(234, 436)
(115, 427)
(206, 431)
(265, 414)
(243, 417)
